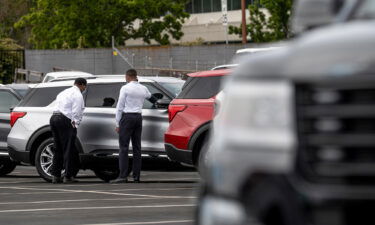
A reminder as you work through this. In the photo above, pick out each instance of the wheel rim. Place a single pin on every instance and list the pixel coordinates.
(46, 159)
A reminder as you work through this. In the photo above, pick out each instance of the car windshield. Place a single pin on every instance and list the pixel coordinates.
(365, 11)
(173, 87)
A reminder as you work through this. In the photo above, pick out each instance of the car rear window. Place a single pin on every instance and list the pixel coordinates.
(41, 97)
(201, 87)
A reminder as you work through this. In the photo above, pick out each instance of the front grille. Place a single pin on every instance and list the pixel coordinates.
(336, 132)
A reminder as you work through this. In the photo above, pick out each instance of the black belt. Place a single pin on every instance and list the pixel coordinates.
(135, 113)
(58, 114)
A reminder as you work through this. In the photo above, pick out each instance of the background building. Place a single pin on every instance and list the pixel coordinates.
(205, 24)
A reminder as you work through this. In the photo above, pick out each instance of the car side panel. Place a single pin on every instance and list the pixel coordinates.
(97, 130)
(185, 123)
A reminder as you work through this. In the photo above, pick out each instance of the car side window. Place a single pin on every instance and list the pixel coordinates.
(103, 95)
(147, 104)
(7, 100)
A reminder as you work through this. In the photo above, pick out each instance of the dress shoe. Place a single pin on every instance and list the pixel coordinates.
(56, 180)
(137, 180)
(70, 180)
(119, 181)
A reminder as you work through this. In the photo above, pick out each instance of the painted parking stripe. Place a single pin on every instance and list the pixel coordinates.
(87, 200)
(92, 192)
(140, 223)
(33, 193)
(93, 208)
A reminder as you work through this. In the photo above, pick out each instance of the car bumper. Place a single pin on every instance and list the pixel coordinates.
(179, 155)
(4, 153)
(19, 156)
(215, 210)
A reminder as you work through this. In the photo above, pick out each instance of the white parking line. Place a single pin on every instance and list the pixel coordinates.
(92, 208)
(94, 192)
(153, 189)
(139, 223)
(32, 193)
(87, 200)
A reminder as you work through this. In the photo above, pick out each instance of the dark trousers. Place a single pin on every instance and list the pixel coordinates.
(130, 129)
(65, 153)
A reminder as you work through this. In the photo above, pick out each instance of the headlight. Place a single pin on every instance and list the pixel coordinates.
(257, 113)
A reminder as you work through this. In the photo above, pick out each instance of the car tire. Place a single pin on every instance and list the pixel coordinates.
(201, 164)
(6, 166)
(107, 174)
(43, 160)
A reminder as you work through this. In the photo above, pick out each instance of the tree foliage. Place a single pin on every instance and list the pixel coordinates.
(10, 12)
(263, 29)
(91, 23)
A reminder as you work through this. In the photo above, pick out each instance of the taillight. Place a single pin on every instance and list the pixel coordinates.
(14, 116)
(174, 109)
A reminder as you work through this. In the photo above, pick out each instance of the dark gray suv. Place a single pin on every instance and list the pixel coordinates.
(8, 99)
(30, 140)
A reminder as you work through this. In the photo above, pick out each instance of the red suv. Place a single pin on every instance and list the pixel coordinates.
(191, 114)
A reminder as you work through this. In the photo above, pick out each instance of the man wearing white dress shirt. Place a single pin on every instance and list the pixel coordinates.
(64, 122)
(129, 124)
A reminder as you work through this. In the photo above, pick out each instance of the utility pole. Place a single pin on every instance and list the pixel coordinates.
(244, 34)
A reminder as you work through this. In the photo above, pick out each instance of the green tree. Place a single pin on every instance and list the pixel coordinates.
(91, 23)
(10, 12)
(263, 29)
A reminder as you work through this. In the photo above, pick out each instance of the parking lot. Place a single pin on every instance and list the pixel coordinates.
(166, 195)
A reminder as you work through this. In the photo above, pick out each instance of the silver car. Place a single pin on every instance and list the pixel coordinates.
(9, 97)
(30, 140)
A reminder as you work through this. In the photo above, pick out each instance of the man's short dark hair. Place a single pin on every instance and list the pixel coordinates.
(131, 73)
(80, 81)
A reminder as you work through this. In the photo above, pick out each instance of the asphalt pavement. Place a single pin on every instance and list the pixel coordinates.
(166, 195)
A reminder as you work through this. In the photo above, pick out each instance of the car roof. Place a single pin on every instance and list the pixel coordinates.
(20, 85)
(211, 73)
(153, 78)
(2, 86)
(226, 66)
(104, 79)
(253, 50)
(69, 74)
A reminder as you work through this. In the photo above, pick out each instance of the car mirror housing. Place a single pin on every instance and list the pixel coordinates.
(162, 103)
(309, 14)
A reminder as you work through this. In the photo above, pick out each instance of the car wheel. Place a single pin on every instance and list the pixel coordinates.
(6, 166)
(106, 174)
(202, 158)
(44, 158)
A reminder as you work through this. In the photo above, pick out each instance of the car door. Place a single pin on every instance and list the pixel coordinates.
(7, 101)
(155, 123)
(97, 130)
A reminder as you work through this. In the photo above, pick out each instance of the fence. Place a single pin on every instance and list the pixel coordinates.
(155, 60)
(10, 60)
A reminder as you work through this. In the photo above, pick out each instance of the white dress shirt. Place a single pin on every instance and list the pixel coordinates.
(131, 99)
(70, 103)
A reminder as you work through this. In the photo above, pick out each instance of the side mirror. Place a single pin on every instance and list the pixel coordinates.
(158, 95)
(309, 14)
(162, 103)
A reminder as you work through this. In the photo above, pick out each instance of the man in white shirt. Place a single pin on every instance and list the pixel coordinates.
(64, 122)
(129, 124)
